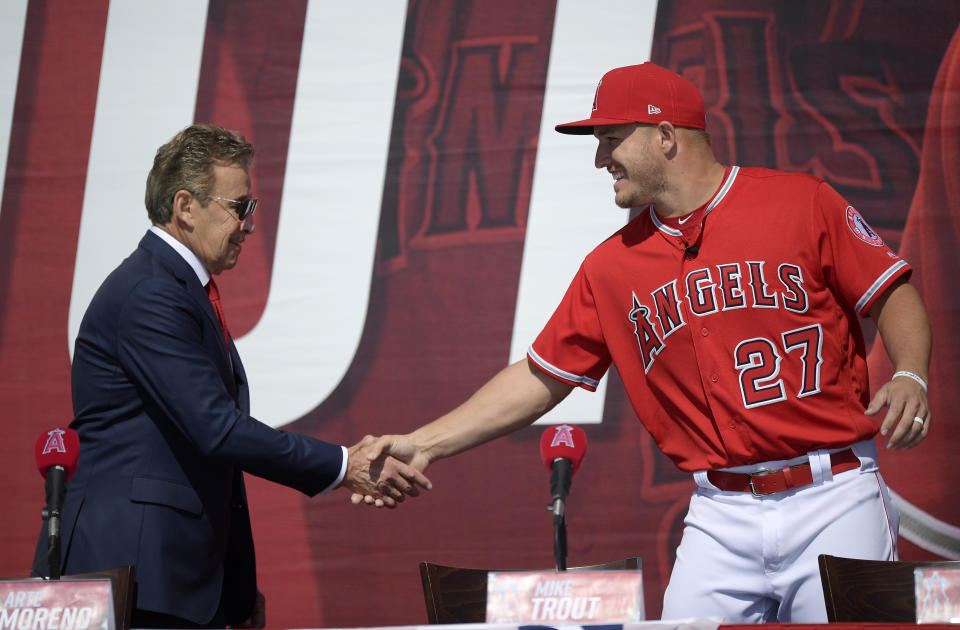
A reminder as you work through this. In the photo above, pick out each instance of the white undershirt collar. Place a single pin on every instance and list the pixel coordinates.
(202, 274)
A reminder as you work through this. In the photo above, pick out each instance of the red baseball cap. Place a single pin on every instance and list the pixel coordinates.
(645, 93)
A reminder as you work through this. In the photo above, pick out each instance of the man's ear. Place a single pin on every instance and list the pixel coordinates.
(667, 136)
(184, 205)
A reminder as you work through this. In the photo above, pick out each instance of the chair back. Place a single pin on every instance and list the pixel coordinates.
(459, 595)
(871, 590)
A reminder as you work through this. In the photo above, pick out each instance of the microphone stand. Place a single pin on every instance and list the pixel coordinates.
(559, 533)
(560, 474)
(53, 555)
(56, 488)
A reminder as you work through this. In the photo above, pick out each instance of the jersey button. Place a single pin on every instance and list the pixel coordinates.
(703, 331)
(714, 377)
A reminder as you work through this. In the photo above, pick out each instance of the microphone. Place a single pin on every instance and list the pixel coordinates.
(691, 250)
(562, 448)
(56, 452)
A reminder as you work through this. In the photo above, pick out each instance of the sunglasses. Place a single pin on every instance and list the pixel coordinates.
(243, 207)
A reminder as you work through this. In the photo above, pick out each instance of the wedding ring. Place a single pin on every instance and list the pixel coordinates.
(919, 419)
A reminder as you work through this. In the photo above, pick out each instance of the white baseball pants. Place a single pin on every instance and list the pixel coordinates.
(753, 559)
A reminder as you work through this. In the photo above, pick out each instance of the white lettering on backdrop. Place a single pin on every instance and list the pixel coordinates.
(304, 343)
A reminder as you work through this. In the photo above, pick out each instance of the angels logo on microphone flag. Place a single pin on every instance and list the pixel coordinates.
(57, 447)
(420, 220)
(563, 435)
(54, 442)
(565, 441)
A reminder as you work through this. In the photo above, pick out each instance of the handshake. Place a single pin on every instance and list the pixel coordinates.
(383, 471)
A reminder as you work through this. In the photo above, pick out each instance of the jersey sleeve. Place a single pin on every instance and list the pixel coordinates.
(571, 347)
(855, 259)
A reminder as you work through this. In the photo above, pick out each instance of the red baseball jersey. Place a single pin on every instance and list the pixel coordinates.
(735, 333)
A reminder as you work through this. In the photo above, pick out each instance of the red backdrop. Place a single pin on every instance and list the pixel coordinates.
(863, 96)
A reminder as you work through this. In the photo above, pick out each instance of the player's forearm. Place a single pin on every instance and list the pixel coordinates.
(512, 399)
(905, 329)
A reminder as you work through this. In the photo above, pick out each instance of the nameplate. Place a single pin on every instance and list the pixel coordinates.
(552, 597)
(938, 594)
(56, 605)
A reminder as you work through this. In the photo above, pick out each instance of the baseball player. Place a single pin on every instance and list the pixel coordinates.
(729, 306)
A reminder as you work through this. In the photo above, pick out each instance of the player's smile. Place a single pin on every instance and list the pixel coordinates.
(617, 177)
(626, 153)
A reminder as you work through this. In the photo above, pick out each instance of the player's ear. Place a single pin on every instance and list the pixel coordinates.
(667, 138)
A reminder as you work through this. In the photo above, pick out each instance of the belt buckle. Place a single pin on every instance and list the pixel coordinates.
(762, 472)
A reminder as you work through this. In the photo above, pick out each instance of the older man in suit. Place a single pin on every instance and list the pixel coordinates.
(162, 407)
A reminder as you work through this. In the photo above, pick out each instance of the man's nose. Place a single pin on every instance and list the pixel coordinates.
(602, 158)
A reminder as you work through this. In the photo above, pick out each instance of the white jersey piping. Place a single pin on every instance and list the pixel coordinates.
(567, 376)
(879, 282)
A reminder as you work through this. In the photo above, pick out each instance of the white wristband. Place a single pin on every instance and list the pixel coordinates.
(922, 382)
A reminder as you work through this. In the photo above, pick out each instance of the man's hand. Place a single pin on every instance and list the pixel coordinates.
(388, 451)
(382, 481)
(908, 413)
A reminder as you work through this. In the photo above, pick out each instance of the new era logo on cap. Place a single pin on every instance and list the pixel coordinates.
(627, 95)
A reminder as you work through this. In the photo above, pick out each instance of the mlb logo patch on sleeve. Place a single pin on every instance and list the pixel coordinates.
(861, 229)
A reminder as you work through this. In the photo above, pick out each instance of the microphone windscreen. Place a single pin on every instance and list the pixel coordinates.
(563, 440)
(57, 447)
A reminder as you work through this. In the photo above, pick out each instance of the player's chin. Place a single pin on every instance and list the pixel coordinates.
(624, 201)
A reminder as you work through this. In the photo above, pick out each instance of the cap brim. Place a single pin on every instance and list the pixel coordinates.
(585, 127)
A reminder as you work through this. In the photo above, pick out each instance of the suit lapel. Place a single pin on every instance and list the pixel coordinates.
(185, 275)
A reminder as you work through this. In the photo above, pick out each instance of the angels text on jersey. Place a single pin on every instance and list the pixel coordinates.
(725, 287)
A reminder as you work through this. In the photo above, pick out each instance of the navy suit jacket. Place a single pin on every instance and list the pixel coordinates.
(162, 410)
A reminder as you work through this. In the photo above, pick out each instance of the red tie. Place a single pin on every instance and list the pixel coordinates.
(214, 296)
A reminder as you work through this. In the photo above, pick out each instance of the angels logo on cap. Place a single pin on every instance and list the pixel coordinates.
(861, 229)
(596, 95)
